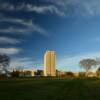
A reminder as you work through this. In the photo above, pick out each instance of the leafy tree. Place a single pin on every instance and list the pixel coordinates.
(4, 63)
(87, 64)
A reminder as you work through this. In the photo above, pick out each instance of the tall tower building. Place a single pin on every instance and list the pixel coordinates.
(50, 63)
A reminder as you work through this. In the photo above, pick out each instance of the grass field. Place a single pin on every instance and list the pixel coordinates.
(50, 89)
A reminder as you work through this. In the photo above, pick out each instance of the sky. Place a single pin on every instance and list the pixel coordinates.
(28, 28)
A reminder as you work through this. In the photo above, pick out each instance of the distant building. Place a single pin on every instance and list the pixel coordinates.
(91, 74)
(39, 73)
(29, 73)
(98, 72)
(24, 73)
(76, 74)
(50, 63)
(60, 73)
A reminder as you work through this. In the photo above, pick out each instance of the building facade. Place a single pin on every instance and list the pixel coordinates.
(50, 63)
(24, 73)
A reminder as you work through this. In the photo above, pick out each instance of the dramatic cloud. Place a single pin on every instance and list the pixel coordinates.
(45, 9)
(22, 63)
(30, 27)
(14, 30)
(79, 7)
(9, 51)
(8, 40)
(41, 9)
(16, 20)
(58, 7)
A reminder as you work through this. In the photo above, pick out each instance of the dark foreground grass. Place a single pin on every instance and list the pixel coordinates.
(50, 89)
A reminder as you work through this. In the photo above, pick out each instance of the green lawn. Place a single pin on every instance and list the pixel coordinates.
(50, 89)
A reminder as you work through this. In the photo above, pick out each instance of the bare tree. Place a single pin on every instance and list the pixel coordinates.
(87, 64)
(4, 63)
(98, 62)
